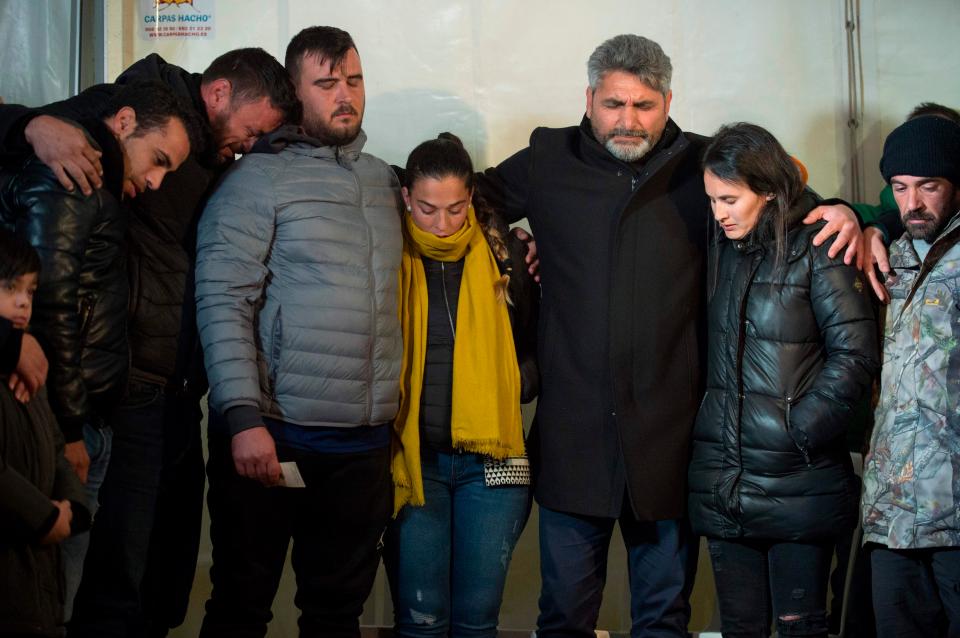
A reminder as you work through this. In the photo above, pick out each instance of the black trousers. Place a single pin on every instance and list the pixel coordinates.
(336, 524)
(143, 547)
(916, 592)
(175, 541)
(759, 579)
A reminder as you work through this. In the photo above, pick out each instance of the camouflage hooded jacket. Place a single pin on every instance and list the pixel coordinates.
(911, 480)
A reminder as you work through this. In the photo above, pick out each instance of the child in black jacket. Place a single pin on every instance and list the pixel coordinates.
(41, 499)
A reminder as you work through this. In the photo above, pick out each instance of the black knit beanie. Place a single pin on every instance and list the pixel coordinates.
(927, 146)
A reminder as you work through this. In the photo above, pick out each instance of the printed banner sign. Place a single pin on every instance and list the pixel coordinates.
(177, 19)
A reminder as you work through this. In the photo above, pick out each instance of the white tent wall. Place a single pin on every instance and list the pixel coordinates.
(910, 55)
(492, 70)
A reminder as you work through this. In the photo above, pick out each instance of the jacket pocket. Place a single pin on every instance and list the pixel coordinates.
(87, 303)
(548, 343)
(276, 336)
(790, 400)
(702, 423)
(133, 277)
(728, 502)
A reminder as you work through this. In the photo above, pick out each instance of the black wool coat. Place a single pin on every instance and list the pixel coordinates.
(622, 251)
(791, 352)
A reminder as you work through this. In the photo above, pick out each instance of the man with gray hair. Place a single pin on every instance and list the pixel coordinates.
(622, 222)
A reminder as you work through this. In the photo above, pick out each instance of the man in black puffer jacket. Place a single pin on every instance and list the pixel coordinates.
(152, 501)
(82, 298)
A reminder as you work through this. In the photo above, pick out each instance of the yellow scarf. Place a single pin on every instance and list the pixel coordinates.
(485, 417)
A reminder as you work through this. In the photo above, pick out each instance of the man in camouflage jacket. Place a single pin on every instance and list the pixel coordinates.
(911, 500)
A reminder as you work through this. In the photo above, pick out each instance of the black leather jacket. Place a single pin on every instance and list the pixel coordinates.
(789, 354)
(80, 308)
(164, 345)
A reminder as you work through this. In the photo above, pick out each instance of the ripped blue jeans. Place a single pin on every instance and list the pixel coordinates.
(447, 561)
(760, 583)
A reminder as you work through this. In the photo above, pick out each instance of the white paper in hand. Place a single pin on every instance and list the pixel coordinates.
(290, 475)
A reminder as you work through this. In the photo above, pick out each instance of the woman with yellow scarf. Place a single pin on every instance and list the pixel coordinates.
(462, 483)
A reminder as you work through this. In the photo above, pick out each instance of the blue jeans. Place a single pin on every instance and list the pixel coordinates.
(759, 580)
(98, 443)
(573, 569)
(447, 561)
(916, 592)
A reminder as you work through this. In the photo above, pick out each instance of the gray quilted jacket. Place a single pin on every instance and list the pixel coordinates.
(297, 257)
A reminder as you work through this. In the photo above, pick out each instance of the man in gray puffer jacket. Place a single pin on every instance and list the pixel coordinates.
(297, 310)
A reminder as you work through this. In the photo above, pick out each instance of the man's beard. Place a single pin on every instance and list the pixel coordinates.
(628, 152)
(218, 124)
(928, 230)
(330, 135)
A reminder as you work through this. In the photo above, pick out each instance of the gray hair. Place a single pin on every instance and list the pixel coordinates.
(633, 54)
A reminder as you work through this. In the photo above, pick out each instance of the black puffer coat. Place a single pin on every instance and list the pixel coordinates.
(80, 309)
(786, 364)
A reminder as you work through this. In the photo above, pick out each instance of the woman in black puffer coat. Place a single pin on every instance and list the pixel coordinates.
(792, 347)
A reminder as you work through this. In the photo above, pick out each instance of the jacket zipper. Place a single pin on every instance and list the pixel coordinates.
(741, 347)
(634, 184)
(368, 414)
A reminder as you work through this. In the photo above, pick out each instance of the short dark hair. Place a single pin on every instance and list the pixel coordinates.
(17, 256)
(155, 103)
(926, 109)
(327, 43)
(748, 154)
(254, 74)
